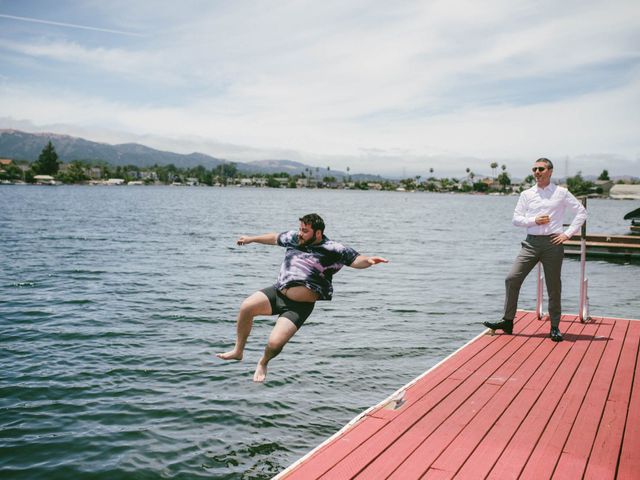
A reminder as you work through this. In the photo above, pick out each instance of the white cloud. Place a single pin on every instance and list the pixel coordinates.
(340, 80)
(123, 63)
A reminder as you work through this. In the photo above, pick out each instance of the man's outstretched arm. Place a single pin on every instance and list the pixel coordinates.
(362, 261)
(266, 239)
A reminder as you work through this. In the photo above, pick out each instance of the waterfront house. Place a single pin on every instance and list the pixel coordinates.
(625, 192)
(44, 180)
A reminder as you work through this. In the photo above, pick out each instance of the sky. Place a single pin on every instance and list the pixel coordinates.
(390, 88)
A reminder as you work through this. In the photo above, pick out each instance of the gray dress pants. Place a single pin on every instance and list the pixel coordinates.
(536, 248)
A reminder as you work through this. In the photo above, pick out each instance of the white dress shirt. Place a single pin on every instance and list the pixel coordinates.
(553, 201)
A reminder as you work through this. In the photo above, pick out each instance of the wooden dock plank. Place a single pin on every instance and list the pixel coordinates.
(325, 458)
(483, 365)
(575, 454)
(435, 474)
(456, 367)
(630, 246)
(511, 371)
(547, 451)
(606, 448)
(454, 456)
(466, 400)
(504, 406)
(385, 465)
(629, 460)
(374, 446)
(413, 393)
(517, 452)
(458, 386)
(452, 368)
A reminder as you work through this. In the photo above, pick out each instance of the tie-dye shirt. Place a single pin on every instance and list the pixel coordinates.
(312, 266)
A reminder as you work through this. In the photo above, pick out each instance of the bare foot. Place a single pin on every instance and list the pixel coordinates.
(232, 355)
(261, 373)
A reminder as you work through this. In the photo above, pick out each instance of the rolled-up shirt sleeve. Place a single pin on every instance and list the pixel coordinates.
(519, 217)
(575, 207)
(288, 239)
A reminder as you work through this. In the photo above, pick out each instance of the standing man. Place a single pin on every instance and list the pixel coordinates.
(305, 276)
(541, 209)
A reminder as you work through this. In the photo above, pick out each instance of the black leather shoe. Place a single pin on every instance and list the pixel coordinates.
(505, 325)
(555, 335)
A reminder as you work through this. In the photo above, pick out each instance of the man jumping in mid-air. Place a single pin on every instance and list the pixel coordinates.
(305, 277)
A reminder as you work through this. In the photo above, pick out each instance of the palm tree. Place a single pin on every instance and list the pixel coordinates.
(504, 179)
(494, 166)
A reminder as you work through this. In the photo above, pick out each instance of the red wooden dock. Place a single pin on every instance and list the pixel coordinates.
(504, 406)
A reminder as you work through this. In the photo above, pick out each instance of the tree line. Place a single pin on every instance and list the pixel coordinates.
(79, 171)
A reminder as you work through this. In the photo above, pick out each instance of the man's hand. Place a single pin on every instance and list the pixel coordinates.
(362, 261)
(374, 260)
(266, 239)
(244, 240)
(558, 238)
(542, 219)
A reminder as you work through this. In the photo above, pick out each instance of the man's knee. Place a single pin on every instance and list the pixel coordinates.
(513, 280)
(274, 347)
(284, 330)
(247, 306)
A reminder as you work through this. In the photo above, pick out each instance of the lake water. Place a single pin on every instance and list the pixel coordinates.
(114, 300)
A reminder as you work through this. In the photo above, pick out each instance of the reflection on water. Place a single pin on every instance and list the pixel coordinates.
(113, 302)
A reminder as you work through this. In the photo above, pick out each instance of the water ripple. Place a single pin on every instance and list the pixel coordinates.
(109, 324)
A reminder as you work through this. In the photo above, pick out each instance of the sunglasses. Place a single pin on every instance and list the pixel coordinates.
(538, 169)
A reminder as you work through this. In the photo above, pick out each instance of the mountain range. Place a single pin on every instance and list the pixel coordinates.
(19, 145)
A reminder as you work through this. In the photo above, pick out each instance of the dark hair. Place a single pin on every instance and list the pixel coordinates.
(547, 161)
(314, 220)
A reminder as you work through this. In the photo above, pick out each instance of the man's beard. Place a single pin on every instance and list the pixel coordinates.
(303, 243)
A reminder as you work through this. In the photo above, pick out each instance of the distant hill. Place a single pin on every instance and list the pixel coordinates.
(27, 146)
(19, 145)
(296, 168)
(288, 166)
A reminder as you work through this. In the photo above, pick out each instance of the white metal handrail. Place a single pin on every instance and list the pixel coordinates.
(583, 309)
(540, 299)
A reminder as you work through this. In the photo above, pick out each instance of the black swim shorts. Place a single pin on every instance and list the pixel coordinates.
(297, 312)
